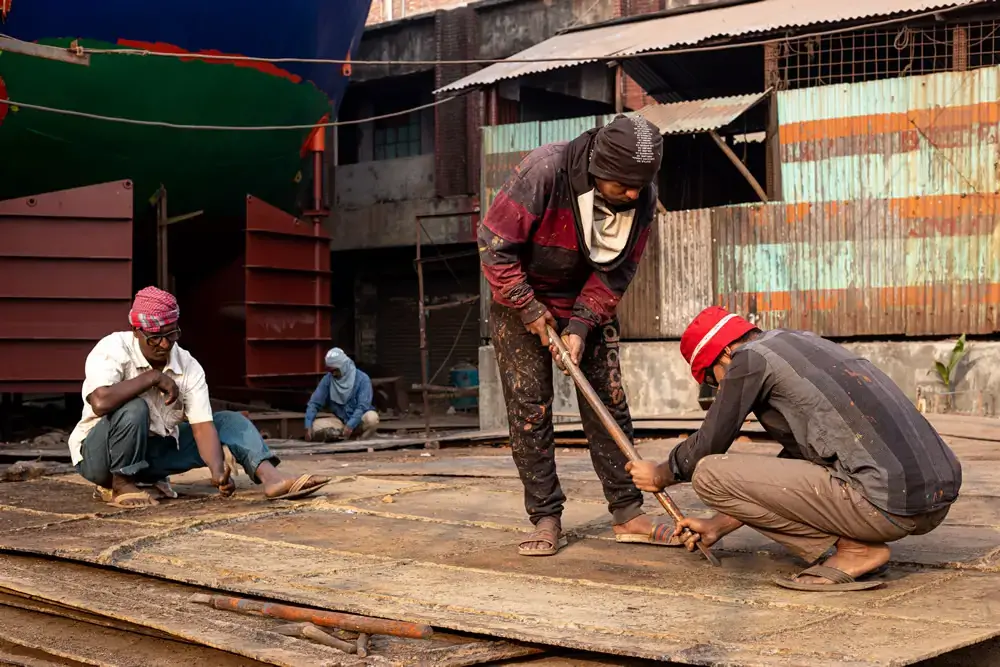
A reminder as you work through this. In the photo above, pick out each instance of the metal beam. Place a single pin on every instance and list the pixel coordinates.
(739, 164)
(42, 51)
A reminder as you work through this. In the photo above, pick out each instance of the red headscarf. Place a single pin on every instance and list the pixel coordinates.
(153, 309)
(708, 335)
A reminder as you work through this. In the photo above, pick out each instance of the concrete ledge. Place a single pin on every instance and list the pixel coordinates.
(657, 381)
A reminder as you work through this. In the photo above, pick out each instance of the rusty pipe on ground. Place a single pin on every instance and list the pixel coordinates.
(311, 632)
(617, 434)
(329, 619)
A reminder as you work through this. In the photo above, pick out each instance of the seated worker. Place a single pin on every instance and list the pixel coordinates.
(860, 466)
(347, 392)
(147, 415)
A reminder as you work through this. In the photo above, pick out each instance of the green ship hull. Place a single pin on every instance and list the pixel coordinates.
(206, 170)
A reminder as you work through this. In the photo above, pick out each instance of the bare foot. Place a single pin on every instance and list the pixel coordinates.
(853, 557)
(123, 486)
(277, 483)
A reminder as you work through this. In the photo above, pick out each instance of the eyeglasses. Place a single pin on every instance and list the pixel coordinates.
(156, 340)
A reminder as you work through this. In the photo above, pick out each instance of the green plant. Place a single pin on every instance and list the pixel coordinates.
(946, 372)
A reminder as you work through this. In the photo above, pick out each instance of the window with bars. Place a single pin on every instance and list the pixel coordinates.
(868, 55)
(397, 137)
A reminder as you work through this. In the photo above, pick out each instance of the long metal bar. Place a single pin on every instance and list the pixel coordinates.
(618, 435)
(328, 619)
(735, 159)
(61, 54)
(162, 240)
(422, 314)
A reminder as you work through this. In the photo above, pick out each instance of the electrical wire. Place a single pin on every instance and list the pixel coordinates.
(514, 59)
(223, 128)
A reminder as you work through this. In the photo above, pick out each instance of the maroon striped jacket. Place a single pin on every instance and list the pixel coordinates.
(530, 246)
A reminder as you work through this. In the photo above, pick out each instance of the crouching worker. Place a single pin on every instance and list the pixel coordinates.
(147, 415)
(347, 392)
(859, 465)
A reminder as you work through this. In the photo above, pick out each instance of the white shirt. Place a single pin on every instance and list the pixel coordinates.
(605, 232)
(117, 357)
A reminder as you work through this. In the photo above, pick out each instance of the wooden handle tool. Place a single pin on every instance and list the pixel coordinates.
(618, 435)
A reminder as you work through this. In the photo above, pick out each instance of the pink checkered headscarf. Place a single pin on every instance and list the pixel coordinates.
(153, 309)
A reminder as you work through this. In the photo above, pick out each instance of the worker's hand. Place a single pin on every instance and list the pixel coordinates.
(347, 433)
(705, 531)
(309, 434)
(224, 481)
(649, 476)
(167, 387)
(574, 345)
(539, 326)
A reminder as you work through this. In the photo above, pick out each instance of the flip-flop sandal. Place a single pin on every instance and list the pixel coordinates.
(548, 534)
(841, 581)
(107, 496)
(662, 535)
(298, 489)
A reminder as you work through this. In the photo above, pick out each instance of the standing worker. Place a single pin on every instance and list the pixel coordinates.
(859, 465)
(347, 392)
(559, 247)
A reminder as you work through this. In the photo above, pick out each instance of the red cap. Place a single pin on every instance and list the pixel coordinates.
(708, 335)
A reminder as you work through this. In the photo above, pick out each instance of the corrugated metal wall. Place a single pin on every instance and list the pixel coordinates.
(917, 266)
(889, 225)
(933, 135)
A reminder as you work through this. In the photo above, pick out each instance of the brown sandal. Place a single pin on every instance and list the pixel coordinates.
(547, 530)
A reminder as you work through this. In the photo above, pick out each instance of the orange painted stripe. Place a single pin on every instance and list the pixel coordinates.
(836, 128)
(881, 298)
(163, 47)
(911, 208)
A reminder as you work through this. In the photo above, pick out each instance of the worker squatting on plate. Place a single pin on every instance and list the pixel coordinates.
(559, 246)
(859, 465)
(347, 392)
(147, 415)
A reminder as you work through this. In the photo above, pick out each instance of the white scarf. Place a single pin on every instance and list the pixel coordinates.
(605, 231)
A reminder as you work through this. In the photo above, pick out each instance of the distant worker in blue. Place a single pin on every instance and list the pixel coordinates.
(347, 393)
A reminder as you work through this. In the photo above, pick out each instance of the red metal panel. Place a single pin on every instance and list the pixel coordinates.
(65, 281)
(287, 298)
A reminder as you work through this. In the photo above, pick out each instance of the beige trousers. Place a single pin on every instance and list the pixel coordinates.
(798, 504)
(331, 426)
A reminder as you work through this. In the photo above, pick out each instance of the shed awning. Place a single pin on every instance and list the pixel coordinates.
(699, 115)
(659, 34)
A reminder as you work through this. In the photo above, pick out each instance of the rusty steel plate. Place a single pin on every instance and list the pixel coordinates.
(444, 553)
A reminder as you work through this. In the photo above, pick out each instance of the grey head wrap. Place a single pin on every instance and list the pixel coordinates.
(627, 150)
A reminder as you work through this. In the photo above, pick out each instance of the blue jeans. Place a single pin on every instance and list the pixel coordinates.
(121, 444)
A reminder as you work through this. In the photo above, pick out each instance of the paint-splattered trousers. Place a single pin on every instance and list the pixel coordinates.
(526, 377)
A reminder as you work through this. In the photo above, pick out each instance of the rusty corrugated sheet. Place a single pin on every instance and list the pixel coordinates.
(889, 223)
(916, 266)
(932, 135)
(656, 34)
(686, 268)
(287, 295)
(639, 310)
(65, 282)
(699, 115)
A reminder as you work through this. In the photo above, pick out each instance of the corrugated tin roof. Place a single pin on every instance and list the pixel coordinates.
(656, 34)
(698, 115)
